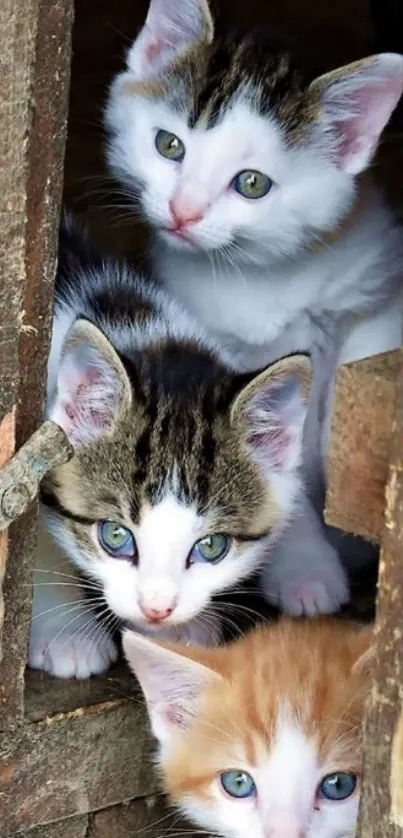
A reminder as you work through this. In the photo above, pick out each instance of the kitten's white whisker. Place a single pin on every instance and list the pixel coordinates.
(81, 612)
(60, 606)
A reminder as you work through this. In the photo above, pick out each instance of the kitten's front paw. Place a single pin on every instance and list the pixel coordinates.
(302, 585)
(75, 651)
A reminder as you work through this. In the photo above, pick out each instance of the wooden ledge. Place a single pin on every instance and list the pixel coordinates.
(361, 432)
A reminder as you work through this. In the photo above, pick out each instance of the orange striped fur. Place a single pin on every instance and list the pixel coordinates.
(311, 675)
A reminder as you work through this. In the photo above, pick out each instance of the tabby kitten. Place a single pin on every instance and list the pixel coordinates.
(256, 740)
(184, 474)
(248, 169)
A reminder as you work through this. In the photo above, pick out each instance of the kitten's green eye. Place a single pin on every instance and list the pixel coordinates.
(238, 784)
(169, 145)
(116, 540)
(252, 184)
(212, 549)
(338, 786)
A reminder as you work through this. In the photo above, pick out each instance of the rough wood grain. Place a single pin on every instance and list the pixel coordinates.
(15, 115)
(382, 799)
(66, 766)
(18, 32)
(46, 696)
(35, 64)
(363, 413)
(69, 828)
(7, 445)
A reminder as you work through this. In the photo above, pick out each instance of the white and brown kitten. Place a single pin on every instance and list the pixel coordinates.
(184, 475)
(248, 170)
(255, 738)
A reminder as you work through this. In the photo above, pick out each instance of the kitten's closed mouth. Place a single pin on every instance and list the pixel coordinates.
(178, 235)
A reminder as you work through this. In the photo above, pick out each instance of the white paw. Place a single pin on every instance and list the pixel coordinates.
(75, 651)
(300, 584)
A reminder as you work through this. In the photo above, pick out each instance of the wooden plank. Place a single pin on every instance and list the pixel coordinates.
(35, 47)
(46, 150)
(17, 33)
(16, 77)
(382, 798)
(7, 445)
(69, 828)
(360, 441)
(67, 766)
(46, 696)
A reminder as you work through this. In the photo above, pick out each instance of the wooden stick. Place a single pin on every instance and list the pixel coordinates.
(21, 477)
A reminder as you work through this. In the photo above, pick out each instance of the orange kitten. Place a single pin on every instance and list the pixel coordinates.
(261, 739)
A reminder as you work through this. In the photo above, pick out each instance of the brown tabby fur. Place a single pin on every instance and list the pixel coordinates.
(183, 421)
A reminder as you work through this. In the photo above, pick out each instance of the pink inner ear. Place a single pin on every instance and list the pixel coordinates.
(367, 111)
(88, 404)
(271, 444)
(173, 715)
(152, 51)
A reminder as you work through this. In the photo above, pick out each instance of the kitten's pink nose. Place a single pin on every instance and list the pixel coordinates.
(156, 615)
(189, 204)
(184, 212)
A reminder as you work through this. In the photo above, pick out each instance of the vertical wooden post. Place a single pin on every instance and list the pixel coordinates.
(382, 798)
(15, 110)
(35, 61)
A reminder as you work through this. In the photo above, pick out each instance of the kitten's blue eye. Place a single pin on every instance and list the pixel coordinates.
(169, 145)
(211, 548)
(338, 786)
(116, 540)
(238, 784)
(252, 184)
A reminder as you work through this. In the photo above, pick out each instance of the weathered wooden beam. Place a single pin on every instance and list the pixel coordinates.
(35, 66)
(360, 444)
(69, 828)
(7, 446)
(15, 117)
(382, 797)
(68, 765)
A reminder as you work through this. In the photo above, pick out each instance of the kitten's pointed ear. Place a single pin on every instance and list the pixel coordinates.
(271, 410)
(355, 103)
(172, 684)
(92, 386)
(171, 27)
(365, 652)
